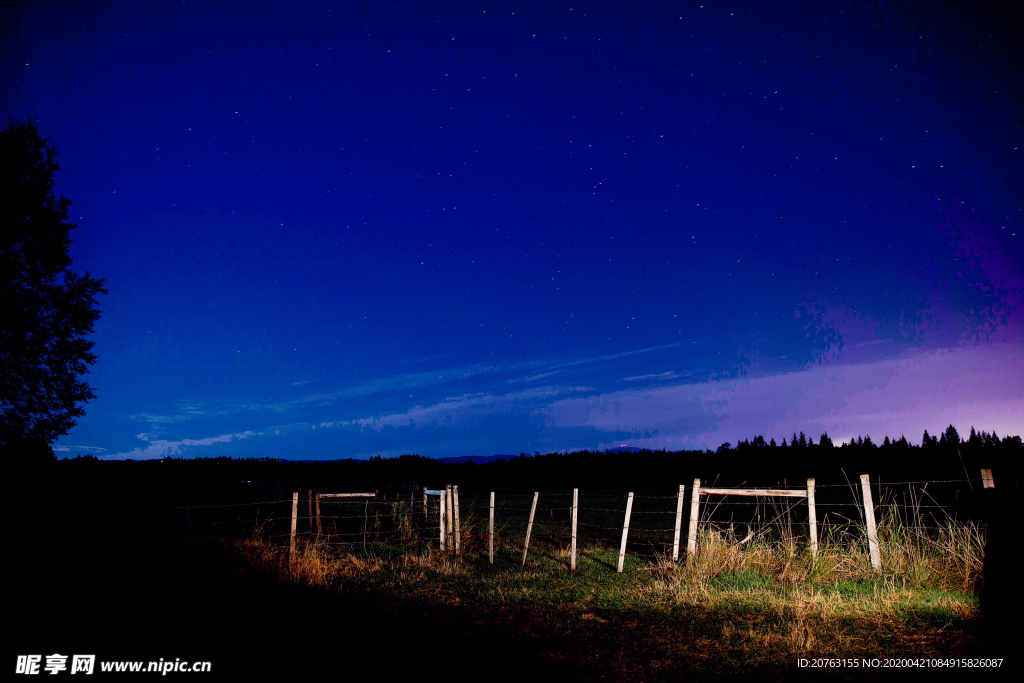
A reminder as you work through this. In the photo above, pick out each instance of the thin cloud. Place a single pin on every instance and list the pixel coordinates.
(456, 410)
(187, 414)
(438, 382)
(615, 356)
(663, 375)
(162, 448)
(981, 386)
(534, 378)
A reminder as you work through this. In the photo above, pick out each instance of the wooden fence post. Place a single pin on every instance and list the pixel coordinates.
(295, 519)
(490, 531)
(451, 516)
(319, 524)
(458, 528)
(572, 547)
(424, 503)
(309, 511)
(443, 506)
(529, 526)
(812, 518)
(691, 533)
(625, 531)
(869, 518)
(987, 480)
(679, 523)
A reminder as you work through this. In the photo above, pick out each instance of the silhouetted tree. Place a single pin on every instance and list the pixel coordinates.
(45, 308)
(950, 437)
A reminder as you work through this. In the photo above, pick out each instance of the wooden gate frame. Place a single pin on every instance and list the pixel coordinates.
(318, 496)
(445, 519)
(319, 526)
(808, 493)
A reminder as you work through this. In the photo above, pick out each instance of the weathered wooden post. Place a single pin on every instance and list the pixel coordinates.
(319, 525)
(309, 511)
(424, 503)
(458, 528)
(295, 519)
(443, 506)
(812, 518)
(490, 532)
(691, 533)
(625, 531)
(572, 546)
(451, 515)
(869, 519)
(679, 523)
(529, 526)
(987, 480)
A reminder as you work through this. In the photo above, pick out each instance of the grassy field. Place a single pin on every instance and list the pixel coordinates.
(735, 608)
(122, 568)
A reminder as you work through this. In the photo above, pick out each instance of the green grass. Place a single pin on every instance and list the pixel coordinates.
(761, 604)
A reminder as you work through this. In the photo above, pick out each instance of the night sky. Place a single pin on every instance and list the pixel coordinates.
(335, 230)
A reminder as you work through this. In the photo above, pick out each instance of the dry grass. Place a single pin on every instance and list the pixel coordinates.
(833, 602)
(762, 598)
(949, 557)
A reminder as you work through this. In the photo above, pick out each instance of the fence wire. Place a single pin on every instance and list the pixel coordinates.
(400, 520)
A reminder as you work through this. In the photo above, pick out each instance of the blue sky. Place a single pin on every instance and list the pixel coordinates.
(340, 230)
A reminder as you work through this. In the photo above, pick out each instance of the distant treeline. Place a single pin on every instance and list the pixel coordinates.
(755, 462)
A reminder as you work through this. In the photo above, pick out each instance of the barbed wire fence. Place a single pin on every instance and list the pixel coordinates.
(655, 524)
